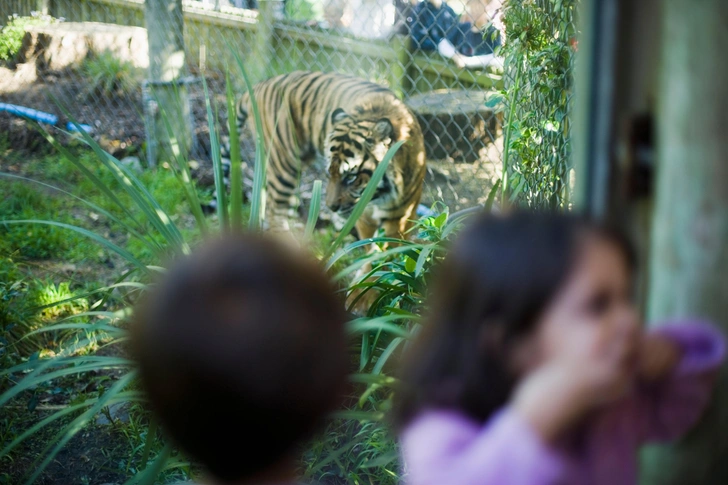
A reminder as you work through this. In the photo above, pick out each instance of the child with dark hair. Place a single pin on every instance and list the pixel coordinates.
(242, 353)
(534, 369)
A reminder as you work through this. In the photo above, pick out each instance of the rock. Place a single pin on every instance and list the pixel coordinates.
(456, 124)
(62, 45)
(132, 163)
(118, 412)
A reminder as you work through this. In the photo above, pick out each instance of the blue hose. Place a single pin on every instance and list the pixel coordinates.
(33, 114)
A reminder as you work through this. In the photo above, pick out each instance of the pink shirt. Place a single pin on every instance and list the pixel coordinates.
(447, 448)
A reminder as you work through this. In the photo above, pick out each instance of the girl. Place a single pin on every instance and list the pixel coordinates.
(534, 369)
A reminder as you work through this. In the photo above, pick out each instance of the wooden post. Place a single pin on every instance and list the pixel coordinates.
(166, 96)
(44, 6)
(259, 67)
(400, 67)
(689, 252)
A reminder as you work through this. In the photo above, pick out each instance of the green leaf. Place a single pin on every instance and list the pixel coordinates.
(217, 171)
(257, 204)
(236, 174)
(386, 354)
(491, 196)
(365, 198)
(409, 264)
(65, 435)
(313, 211)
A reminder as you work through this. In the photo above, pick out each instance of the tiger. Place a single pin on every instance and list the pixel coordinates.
(349, 123)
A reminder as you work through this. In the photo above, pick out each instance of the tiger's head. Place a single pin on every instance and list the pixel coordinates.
(354, 148)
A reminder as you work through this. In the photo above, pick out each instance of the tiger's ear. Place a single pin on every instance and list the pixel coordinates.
(337, 115)
(383, 130)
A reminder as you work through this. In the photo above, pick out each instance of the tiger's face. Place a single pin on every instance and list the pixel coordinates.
(354, 148)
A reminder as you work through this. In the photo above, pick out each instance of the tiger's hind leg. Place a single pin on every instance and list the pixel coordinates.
(283, 181)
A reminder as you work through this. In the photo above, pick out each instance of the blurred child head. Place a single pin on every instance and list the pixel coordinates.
(242, 353)
(513, 293)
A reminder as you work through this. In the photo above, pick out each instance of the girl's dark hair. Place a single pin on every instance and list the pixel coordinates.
(497, 279)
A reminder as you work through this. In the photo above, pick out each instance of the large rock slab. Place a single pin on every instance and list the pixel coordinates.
(456, 124)
(63, 45)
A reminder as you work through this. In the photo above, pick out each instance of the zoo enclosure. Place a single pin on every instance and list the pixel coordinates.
(367, 38)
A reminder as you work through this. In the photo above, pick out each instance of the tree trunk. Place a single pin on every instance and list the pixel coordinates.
(689, 254)
(169, 122)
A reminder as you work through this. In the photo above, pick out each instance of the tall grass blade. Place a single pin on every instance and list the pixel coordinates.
(182, 172)
(150, 474)
(216, 161)
(365, 198)
(77, 424)
(378, 324)
(126, 396)
(372, 259)
(257, 204)
(32, 380)
(89, 175)
(358, 415)
(361, 243)
(149, 244)
(491, 196)
(313, 211)
(133, 186)
(379, 379)
(384, 357)
(236, 173)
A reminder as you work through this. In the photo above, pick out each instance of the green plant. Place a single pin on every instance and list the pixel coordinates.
(150, 225)
(539, 54)
(11, 35)
(107, 75)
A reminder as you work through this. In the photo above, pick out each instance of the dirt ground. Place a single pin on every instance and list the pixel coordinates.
(118, 126)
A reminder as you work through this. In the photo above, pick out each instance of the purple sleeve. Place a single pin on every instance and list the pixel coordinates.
(445, 448)
(669, 409)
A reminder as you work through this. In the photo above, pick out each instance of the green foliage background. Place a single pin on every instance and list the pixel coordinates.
(539, 55)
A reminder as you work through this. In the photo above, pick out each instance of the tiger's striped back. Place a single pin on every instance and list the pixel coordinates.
(349, 122)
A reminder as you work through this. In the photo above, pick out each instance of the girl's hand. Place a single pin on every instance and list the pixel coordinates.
(593, 370)
(658, 357)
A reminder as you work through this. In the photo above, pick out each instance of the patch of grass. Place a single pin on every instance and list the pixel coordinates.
(32, 241)
(352, 452)
(109, 76)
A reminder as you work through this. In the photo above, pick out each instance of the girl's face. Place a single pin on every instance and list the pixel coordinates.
(592, 310)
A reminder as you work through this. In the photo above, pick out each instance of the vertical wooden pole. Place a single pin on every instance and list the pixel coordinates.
(167, 102)
(260, 66)
(44, 6)
(399, 69)
(689, 256)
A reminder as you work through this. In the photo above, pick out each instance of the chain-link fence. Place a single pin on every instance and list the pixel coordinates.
(540, 58)
(94, 57)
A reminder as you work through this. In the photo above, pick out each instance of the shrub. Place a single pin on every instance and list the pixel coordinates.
(107, 75)
(539, 56)
(11, 35)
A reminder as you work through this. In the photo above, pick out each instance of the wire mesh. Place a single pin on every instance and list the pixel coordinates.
(95, 60)
(540, 58)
